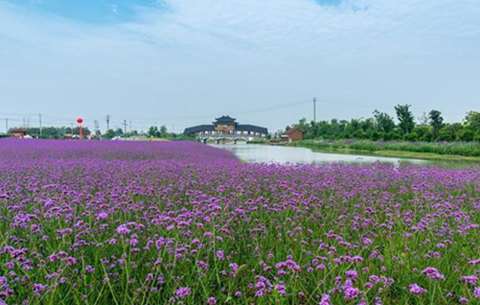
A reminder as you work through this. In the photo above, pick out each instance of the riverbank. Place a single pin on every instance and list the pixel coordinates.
(425, 151)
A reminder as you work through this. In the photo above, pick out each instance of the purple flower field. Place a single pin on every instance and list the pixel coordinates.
(185, 223)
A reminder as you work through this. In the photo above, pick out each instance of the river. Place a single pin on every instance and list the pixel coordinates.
(285, 154)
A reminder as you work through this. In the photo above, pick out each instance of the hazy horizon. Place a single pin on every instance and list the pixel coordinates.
(183, 63)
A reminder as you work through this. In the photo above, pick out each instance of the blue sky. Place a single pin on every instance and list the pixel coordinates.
(184, 62)
(103, 11)
(89, 11)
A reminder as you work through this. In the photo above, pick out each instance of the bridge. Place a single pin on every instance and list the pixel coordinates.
(218, 138)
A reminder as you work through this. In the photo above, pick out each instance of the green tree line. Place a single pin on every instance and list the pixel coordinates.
(52, 132)
(66, 132)
(383, 127)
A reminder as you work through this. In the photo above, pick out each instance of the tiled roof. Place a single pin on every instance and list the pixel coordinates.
(248, 127)
(225, 119)
(292, 130)
(198, 128)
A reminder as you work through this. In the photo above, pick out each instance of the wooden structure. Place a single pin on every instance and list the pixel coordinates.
(226, 127)
(292, 135)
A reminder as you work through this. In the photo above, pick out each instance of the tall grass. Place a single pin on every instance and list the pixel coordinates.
(453, 148)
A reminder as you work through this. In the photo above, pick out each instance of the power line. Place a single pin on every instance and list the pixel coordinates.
(97, 129)
(180, 121)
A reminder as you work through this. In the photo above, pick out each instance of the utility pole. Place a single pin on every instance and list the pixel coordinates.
(6, 125)
(97, 131)
(130, 126)
(314, 109)
(125, 126)
(40, 124)
(108, 122)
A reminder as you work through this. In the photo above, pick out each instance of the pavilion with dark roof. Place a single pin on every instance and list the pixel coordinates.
(226, 126)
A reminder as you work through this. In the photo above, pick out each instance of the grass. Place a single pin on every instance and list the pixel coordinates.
(426, 151)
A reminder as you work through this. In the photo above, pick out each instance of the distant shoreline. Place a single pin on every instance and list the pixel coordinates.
(397, 153)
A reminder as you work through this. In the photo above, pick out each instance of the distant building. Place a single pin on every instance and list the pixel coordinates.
(18, 133)
(225, 126)
(292, 135)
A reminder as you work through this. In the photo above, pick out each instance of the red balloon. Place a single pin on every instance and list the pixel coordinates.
(79, 121)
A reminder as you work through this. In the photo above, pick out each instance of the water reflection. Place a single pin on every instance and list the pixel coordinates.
(285, 154)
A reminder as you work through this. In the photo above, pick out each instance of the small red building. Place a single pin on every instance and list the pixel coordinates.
(18, 133)
(292, 135)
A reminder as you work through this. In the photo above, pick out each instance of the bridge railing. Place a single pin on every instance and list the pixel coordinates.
(231, 136)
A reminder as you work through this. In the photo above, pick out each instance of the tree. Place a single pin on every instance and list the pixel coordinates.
(109, 134)
(436, 121)
(466, 134)
(307, 129)
(131, 133)
(449, 132)
(421, 133)
(405, 118)
(163, 131)
(383, 122)
(472, 120)
(153, 132)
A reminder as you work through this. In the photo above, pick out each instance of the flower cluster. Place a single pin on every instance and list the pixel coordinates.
(181, 222)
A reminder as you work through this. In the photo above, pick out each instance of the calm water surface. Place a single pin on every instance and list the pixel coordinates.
(283, 154)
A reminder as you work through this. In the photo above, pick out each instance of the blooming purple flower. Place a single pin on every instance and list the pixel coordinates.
(220, 255)
(414, 288)
(282, 290)
(89, 269)
(433, 273)
(367, 241)
(70, 261)
(325, 300)
(476, 292)
(123, 229)
(352, 274)
(350, 291)
(102, 216)
(182, 292)
(471, 279)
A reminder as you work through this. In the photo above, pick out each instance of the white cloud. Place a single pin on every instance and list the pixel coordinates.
(212, 56)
